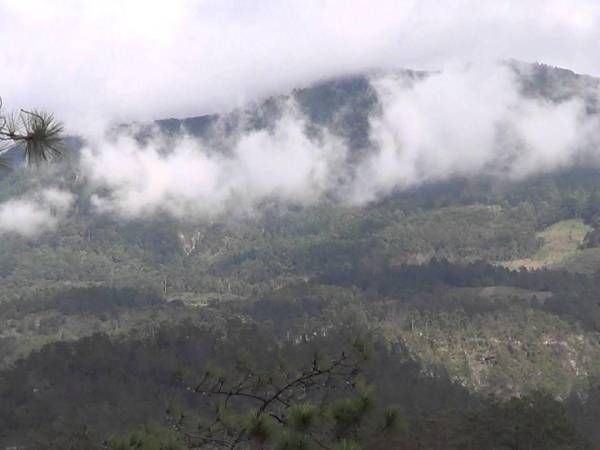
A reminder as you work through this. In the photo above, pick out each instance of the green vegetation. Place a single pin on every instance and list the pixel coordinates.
(561, 243)
(234, 386)
(107, 326)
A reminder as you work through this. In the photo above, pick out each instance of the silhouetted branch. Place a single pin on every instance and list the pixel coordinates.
(38, 132)
(274, 399)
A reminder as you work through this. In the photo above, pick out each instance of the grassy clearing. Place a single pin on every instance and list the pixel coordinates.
(560, 244)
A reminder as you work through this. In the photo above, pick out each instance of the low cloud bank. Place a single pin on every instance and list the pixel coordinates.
(461, 122)
(472, 121)
(468, 121)
(190, 180)
(35, 214)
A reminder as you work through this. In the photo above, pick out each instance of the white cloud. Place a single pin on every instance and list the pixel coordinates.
(458, 122)
(469, 121)
(190, 180)
(91, 61)
(34, 214)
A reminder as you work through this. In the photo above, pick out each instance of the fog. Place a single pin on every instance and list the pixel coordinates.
(111, 61)
(471, 121)
(465, 121)
(98, 64)
(33, 214)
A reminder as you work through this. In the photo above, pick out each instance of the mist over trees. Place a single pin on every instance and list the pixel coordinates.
(458, 312)
(300, 225)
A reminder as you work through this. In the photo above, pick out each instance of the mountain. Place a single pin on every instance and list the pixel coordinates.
(345, 105)
(476, 297)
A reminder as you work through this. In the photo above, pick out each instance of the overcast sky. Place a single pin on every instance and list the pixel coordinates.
(139, 59)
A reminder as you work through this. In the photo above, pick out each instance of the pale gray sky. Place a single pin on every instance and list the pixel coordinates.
(91, 61)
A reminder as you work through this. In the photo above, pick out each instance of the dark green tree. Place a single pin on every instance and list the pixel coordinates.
(534, 421)
(320, 404)
(36, 133)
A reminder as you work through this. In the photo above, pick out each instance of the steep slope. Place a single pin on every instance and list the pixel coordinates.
(423, 266)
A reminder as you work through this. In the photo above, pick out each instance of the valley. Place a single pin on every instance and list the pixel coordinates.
(459, 299)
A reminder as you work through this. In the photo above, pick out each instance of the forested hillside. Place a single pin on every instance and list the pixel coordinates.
(461, 313)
